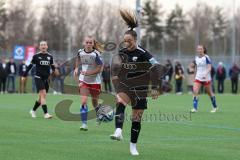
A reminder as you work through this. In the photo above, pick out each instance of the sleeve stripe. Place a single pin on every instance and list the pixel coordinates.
(139, 48)
(208, 60)
(98, 60)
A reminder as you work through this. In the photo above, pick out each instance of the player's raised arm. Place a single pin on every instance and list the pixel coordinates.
(29, 67)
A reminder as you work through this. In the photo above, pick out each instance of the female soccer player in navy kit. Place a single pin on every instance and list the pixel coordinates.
(43, 62)
(129, 58)
(203, 78)
(90, 76)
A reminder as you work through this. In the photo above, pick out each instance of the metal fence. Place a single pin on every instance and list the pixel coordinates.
(184, 59)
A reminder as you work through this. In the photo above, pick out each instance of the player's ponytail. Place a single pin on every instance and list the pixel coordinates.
(204, 49)
(131, 21)
(98, 46)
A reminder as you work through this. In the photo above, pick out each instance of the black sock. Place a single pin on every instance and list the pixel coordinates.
(36, 105)
(119, 116)
(135, 130)
(97, 108)
(44, 107)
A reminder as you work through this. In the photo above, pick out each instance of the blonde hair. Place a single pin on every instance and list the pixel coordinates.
(97, 45)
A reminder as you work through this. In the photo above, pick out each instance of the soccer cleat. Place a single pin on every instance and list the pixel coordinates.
(117, 135)
(213, 110)
(133, 149)
(193, 110)
(84, 127)
(48, 116)
(33, 114)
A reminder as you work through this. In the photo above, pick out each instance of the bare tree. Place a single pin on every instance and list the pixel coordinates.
(98, 17)
(217, 33)
(200, 18)
(104, 23)
(54, 25)
(81, 22)
(3, 22)
(114, 26)
(237, 20)
(19, 16)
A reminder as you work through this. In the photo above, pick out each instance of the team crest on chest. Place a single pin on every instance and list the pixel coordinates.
(49, 58)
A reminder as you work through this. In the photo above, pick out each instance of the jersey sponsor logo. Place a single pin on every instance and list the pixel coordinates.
(88, 59)
(45, 63)
(134, 59)
(129, 66)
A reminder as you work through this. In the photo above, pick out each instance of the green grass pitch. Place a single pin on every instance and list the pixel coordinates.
(169, 131)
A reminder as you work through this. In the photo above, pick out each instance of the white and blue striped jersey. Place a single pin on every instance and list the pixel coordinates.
(202, 65)
(89, 61)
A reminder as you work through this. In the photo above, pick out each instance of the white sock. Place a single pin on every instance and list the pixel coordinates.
(118, 131)
(133, 149)
(133, 145)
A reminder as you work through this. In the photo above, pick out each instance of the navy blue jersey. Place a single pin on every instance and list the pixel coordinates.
(138, 56)
(43, 63)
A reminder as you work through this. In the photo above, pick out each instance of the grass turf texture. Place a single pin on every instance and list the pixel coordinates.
(194, 136)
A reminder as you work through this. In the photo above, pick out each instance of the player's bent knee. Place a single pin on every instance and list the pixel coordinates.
(123, 98)
(120, 100)
(195, 93)
(43, 101)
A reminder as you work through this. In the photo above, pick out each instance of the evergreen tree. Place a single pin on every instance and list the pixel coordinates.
(152, 24)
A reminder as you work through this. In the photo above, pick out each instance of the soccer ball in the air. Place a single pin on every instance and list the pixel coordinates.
(105, 113)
